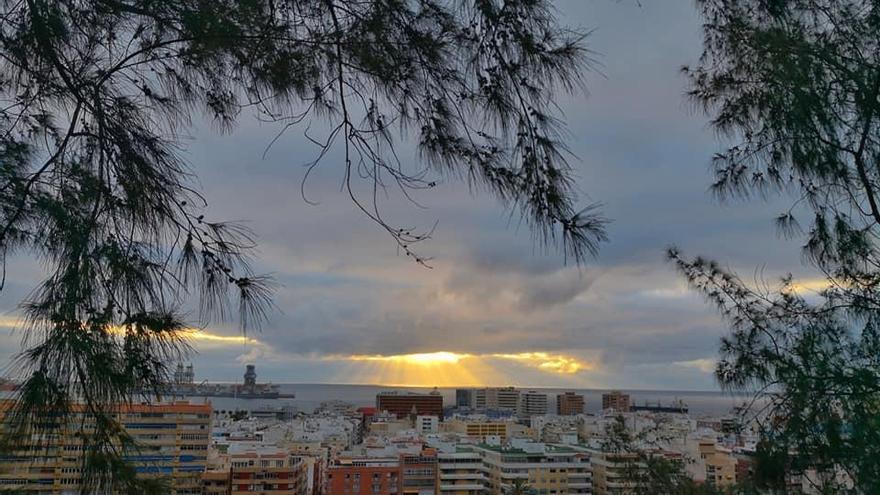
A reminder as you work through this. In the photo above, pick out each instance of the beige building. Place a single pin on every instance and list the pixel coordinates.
(486, 469)
(532, 403)
(615, 473)
(720, 464)
(461, 473)
(546, 468)
(385, 423)
(612, 473)
(173, 440)
(496, 398)
(262, 469)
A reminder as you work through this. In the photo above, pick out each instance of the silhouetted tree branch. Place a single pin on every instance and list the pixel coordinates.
(96, 96)
(796, 85)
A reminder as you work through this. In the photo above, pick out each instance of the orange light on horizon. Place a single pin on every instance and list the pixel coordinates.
(556, 363)
(445, 368)
(425, 358)
(439, 368)
(198, 334)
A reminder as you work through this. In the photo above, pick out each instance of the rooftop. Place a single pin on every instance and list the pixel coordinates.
(157, 407)
(397, 393)
(546, 448)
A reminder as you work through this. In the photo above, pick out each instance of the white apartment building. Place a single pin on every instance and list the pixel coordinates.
(427, 424)
(532, 404)
(485, 469)
(461, 473)
(495, 398)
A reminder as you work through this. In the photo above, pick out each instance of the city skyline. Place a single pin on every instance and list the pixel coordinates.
(493, 308)
(440, 247)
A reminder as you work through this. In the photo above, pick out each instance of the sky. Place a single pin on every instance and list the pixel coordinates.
(494, 309)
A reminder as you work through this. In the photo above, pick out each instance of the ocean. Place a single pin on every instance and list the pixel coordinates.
(310, 395)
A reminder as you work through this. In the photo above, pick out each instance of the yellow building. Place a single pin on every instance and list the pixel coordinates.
(720, 465)
(477, 429)
(173, 445)
(483, 430)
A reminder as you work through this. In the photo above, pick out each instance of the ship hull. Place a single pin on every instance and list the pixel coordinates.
(184, 386)
(268, 395)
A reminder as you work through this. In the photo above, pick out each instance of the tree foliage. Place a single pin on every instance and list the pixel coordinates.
(644, 467)
(795, 85)
(98, 94)
(519, 486)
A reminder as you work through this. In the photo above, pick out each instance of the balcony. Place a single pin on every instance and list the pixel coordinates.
(462, 487)
(463, 476)
(460, 465)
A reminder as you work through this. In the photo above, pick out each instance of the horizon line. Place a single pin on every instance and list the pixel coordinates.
(545, 387)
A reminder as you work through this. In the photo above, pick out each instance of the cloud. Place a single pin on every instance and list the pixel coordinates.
(9, 322)
(520, 289)
(555, 363)
(199, 335)
(626, 319)
(552, 363)
(706, 365)
(444, 368)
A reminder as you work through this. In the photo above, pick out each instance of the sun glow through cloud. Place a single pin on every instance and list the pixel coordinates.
(427, 358)
(9, 322)
(444, 368)
(192, 334)
(555, 363)
(814, 285)
(202, 335)
(440, 368)
(198, 335)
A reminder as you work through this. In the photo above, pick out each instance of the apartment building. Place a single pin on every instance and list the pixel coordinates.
(268, 470)
(427, 424)
(616, 400)
(479, 430)
(612, 473)
(419, 472)
(404, 404)
(721, 465)
(496, 398)
(569, 404)
(555, 429)
(484, 430)
(532, 404)
(461, 473)
(490, 469)
(546, 468)
(464, 398)
(616, 473)
(365, 476)
(172, 445)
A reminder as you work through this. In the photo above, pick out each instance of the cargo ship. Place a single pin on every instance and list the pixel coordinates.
(676, 407)
(183, 385)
